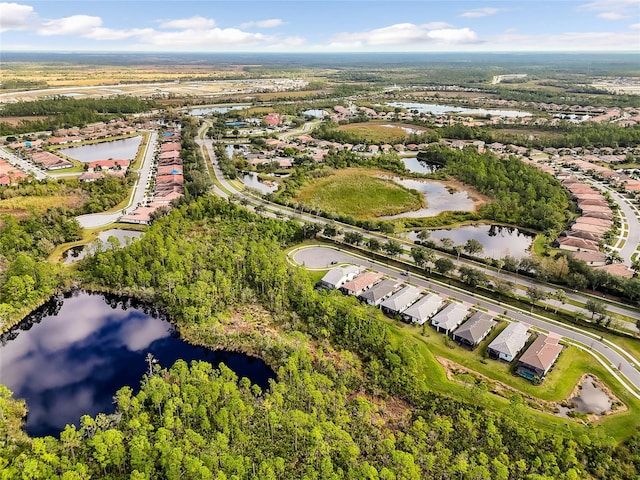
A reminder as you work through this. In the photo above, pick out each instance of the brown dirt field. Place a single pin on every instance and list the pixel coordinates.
(13, 121)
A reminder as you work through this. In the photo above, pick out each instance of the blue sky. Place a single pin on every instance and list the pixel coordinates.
(320, 26)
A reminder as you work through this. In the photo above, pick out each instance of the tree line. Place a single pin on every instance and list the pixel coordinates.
(325, 416)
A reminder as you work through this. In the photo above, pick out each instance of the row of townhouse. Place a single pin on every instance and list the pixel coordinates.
(169, 179)
(466, 326)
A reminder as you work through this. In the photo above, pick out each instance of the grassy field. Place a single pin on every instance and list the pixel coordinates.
(23, 205)
(359, 193)
(378, 132)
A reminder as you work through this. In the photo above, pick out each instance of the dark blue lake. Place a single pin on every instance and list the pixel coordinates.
(71, 356)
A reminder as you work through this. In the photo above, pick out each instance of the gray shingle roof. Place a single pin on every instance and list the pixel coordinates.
(474, 329)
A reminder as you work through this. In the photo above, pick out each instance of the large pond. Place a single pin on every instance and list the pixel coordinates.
(252, 180)
(439, 199)
(71, 356)
(79, 252)
(437, 109)
(498, 241)
(125, 149)
(209, 110)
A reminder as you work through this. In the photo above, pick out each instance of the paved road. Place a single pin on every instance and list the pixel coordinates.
(631, 219)
(627, 373)
(24, 165)
(138, 194)
(524, 282)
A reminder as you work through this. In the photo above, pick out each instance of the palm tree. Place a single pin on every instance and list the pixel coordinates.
(561, 296)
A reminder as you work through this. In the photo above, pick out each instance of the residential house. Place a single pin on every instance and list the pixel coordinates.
(450, 317)
(509, 342)
(362, 282)
(423, 309)
(338, 276)
(474, 330)
(379, 292)
(400, 301)
(538, 359)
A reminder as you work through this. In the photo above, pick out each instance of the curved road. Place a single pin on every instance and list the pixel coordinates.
(523, 282)
(617, 364)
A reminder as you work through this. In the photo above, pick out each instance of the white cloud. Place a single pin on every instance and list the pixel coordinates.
(113, 34)
(404, 34)
(635, 26)
(454, 35)
(15, 16)
(611, 16)
(73, 25)
(193, 23)
(269, 23)
(437, 25)
(209, 39)
(480, 12)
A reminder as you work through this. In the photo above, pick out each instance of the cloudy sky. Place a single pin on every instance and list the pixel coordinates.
(320, 26)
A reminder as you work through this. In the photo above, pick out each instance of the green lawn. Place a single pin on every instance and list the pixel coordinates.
(359, 193)
(557, 386)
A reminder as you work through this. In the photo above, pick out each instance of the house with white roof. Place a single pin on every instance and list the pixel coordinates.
(509, 342)
(450, 317)
(338, 276)
(423, 309)
(400, 301)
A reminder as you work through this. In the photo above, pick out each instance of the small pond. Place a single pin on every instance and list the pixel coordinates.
(77, 253)
(498, 241)
(71, 356)
(438, 199)
(591, 399)
(316, 113)
(436, 109)
(417, 166)
(124, 149)
(208, 110)
(251, 180)
(406, 129)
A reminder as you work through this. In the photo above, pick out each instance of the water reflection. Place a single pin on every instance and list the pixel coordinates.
(208, 110)
(78, 252)
(417, 166)
(71, 356)
(125, 149)
(252, 180)
(438, 199)
(436, 109)
(498, 241)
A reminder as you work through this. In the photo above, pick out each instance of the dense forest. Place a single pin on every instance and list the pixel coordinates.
(25, 278)
(350, 402)
(522, 194)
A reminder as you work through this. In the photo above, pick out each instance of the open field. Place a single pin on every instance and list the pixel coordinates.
(376, 132)
(358, 192)
(21, 206)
